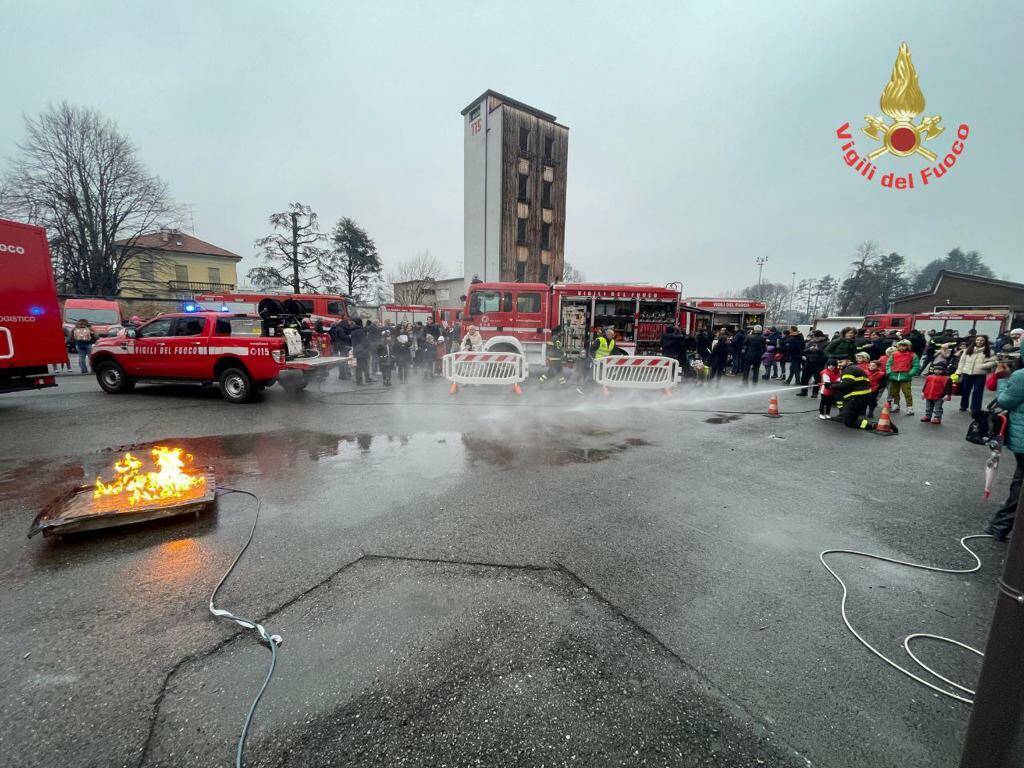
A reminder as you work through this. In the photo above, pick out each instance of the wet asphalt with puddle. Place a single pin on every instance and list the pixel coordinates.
(615, 584)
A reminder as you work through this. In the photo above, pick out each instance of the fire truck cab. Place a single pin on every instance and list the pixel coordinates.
(519, 317)
(989, 322)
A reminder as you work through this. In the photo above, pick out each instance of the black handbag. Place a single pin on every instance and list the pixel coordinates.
(987, 427)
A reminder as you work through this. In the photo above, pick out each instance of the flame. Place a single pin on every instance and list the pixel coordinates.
(902, 98)
(170, 481)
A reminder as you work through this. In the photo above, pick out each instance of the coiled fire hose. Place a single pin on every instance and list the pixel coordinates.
(916, 635)
(271, 641)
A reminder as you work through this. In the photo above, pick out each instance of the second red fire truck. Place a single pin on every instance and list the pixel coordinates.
(520, 317)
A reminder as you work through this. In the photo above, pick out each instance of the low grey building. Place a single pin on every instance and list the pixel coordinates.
(953, 291)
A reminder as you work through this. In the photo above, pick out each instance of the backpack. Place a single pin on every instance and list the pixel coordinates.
(987, 429)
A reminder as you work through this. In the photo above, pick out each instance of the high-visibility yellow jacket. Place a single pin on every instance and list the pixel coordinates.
(604, 347)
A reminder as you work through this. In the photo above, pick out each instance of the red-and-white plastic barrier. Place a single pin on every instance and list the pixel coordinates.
(636, 372)
(484, 368)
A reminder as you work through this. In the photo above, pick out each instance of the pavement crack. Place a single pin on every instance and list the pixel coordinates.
(737, 707)
(443, 561)
(198, 656)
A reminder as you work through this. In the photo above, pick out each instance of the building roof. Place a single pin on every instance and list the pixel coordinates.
(963, 276)
(512, 103)
(178, 242)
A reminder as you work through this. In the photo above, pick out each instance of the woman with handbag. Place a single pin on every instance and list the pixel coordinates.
(975, 364)
(1011, 400)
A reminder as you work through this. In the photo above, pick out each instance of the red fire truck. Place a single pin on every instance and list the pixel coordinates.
(705, 314)
(327, 307)
(31, 336)
(205, 348)
(990, 322)
(519, 317)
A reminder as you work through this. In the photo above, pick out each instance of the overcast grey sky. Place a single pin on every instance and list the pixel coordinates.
(701, 135)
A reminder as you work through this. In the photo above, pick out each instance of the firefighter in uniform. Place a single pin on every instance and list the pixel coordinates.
(554, 357)
(853, 393)
(601, 347)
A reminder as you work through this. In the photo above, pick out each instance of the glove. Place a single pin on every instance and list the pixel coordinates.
(955, 378)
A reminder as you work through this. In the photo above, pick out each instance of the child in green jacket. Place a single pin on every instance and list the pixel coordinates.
(901, 367)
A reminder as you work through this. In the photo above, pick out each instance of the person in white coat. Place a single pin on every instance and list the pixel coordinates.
(975, 364)
(472, 341)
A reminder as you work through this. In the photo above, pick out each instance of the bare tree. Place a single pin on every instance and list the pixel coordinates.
(572, 275)
(416, 278)
(293, 257)
(79, 177)
(774, 295)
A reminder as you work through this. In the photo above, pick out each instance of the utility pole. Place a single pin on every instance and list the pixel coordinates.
(295, 252)
(995, 733)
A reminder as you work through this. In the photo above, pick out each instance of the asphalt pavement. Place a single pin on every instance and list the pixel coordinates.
(487, 579)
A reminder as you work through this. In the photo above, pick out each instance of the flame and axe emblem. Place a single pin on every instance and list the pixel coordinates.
(902, 101)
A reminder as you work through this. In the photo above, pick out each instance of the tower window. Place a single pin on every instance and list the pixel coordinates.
(546, 194)
(520, 231)
(524, 139)
(549, 147)
(520, 271)
(544, 270)
(523, 186)
(545, 236)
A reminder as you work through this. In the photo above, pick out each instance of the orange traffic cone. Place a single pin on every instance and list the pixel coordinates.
(517, 389)
(453, 389)
(773, 407)
(884, 426)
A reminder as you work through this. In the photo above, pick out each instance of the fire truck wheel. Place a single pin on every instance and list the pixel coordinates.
(236, 386)
(112, 378)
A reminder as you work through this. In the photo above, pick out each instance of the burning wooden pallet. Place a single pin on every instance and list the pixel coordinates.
(77, 511)
(132, 496)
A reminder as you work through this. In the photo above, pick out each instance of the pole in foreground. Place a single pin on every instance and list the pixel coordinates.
(995, 734)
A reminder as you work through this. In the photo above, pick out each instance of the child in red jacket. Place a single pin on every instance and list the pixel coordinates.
(937, 388)
(876, 375)
(829, 377)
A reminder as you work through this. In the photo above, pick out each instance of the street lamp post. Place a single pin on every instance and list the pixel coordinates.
(760, 261)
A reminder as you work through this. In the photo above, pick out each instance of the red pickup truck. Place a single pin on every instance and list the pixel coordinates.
(206, 347)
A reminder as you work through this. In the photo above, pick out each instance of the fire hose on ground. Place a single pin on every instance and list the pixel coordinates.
(271, 641)
(916, 635)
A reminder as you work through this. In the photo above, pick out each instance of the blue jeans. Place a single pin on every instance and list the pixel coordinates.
(933, 407)
(83, 348)
(972, 389)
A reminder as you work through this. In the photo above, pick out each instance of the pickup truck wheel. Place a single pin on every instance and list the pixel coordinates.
(112, 378)
(236, 386)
